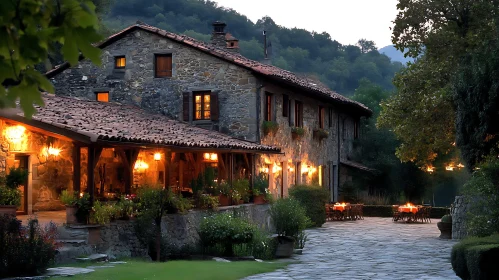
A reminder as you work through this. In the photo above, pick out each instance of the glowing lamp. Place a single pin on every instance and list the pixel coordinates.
(313, 170)
(304, 169)
(157, 156)
(53, 151)
(276, 168)
(449, 168)
(15, 133)
(460, 165)
(210, 157)
(140, 164)
(430, 169)
(291, 169)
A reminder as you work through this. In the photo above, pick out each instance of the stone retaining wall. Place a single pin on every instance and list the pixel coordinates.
(118, 239)
(458, 213)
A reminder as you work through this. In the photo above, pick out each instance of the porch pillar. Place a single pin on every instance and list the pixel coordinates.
(76, 168)
(285, 185)
(168, 166)
(91, 162)
(231, 168)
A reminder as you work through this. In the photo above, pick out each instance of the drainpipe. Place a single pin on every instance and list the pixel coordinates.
(336, 196)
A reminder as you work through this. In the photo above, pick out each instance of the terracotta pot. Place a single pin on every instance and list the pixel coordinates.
(445, 230)
(240, 202)
(8, 210)
(259, 199)
(70, 214)
(295, 136)
(223, 200)
(285, 246)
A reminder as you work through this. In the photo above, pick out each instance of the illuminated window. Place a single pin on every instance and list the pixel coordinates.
(102, 96)
(119, 62)
(202, 110)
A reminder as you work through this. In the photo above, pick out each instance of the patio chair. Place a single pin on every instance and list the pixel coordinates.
(396, 214)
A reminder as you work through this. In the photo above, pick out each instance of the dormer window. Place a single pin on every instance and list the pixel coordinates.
(119, 62)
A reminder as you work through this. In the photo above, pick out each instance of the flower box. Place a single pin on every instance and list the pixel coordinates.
(269, 127)
(297, 133)
(320, 134)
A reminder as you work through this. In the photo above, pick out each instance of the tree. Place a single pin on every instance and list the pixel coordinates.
(366, 45)
(476, 95)
(439, 33)
(30, 29)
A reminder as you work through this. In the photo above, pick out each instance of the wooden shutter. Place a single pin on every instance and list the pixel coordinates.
(186, 106)
(215, 111)
(163, 65)
(285, 105)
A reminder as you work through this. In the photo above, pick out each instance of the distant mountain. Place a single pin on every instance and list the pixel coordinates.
(395, 55)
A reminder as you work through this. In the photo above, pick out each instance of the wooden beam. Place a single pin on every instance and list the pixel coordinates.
(168, 167)
(76, 168)
(231, 168)
(90, 172)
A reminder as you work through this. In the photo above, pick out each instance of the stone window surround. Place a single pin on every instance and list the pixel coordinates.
(163, 52)
(116, 57)
(191, 91)
(101, 90)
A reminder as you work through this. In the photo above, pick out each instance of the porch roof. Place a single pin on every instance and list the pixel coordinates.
(112, 123)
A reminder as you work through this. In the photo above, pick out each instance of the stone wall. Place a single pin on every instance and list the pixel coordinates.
(182, 229)
(458, 212)
(118, 240)
(193, 70)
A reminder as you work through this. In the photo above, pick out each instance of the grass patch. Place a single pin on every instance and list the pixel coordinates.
(180, 270)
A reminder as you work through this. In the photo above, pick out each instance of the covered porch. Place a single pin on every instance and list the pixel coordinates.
(109, 150)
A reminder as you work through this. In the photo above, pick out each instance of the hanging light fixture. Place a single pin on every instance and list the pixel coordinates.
(157, 156)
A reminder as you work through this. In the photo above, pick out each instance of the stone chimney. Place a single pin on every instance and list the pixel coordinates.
(232, 44)
(218, 35)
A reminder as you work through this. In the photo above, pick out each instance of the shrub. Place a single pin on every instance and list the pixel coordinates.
(313, 199)
(11, 197)
(224, 188)
(26, 251)
(16, 177)
(242, 186)
(102, 213)
(269, 127)
(289, 217)
(225, 230)
(446, 219)
(476, 258)
(206, 201)
(84, 207)
(482, 191)
(68, 198)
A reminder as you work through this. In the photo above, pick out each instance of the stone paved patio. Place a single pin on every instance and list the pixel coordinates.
(374, 248)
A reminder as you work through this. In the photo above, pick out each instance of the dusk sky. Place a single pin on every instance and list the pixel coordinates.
(346, 21)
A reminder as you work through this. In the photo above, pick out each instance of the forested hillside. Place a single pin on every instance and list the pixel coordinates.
(318, 56)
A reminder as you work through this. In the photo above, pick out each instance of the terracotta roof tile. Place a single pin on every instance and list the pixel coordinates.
(236, 58)
(119, 123)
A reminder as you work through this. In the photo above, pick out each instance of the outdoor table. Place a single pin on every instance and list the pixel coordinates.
(340, 207)
(408, 209)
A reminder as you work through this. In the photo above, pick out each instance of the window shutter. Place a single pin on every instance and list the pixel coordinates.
(163, 66)
(186, 106)
(168, 66)
(215, 112)
(285, 105)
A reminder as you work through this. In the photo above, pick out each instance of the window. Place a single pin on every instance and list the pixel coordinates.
(102, 96)
(202, 110)
(356, 125)
(119, 62)
(298, 114)
(285, 105)
(330, 117)
(268, 106)
(162, 65)
(321, 117)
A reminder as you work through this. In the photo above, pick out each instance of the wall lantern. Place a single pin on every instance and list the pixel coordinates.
(264, 170)
(276, 168)
(430, 169)
(51, 151)
(210, 157)
(460, 165)
(157, 156)
(449, 168)
(140, 164)
(15, 133)
(304, 169)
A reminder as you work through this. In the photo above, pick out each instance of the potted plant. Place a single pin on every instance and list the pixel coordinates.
(236, 197)
(224, 194)
(69, 200)
(269, 127)
(320, 134)
(297, 133)
(289, 219)
(445, 227)
(242, 186)
(260, 189)
(10, 195)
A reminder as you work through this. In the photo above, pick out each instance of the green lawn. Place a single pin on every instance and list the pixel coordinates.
(180, 270)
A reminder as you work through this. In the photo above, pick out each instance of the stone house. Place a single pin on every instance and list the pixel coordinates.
(211, 85)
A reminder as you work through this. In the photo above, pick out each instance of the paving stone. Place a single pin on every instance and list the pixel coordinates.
(373, 248)
(67, 271)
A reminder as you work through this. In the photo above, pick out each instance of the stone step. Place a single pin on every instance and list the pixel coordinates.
(68, 253)
(73, 242)
(69, 233)
(94, 258)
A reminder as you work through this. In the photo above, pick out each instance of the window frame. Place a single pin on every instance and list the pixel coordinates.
(298, 113)
(97, 93)
(202, 94)
(158, 55)
(330, 117)
(116, 59)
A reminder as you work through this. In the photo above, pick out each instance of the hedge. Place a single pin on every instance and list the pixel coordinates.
(313, 199)
(476, 258)
(386, 211)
